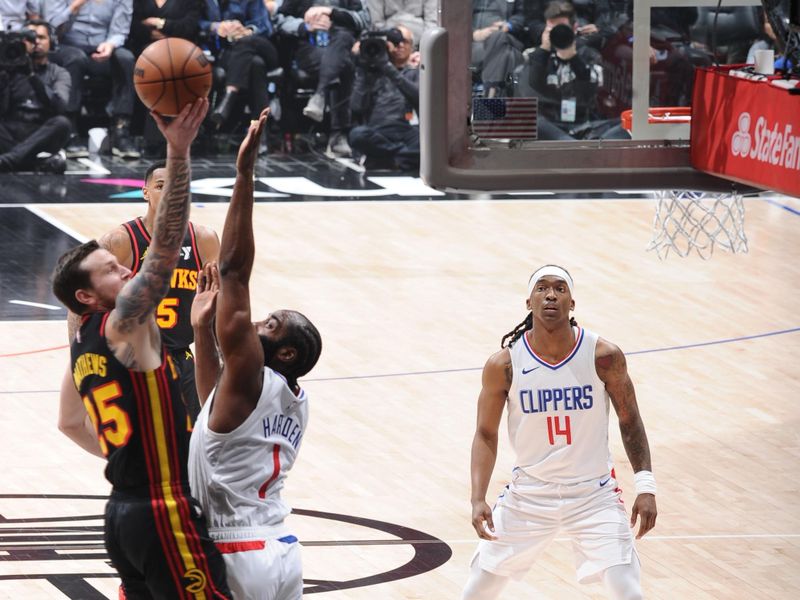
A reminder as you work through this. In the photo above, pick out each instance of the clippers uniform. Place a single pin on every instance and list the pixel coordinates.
(173, 314)
(563, 481)
(238, 477)
(155, 533)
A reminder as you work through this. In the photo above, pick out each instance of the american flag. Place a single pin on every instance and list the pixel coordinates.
(511, 118)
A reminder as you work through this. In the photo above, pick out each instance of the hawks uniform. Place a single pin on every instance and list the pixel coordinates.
(563, 481)
(173, 313)
(238, 478)
(154, 531)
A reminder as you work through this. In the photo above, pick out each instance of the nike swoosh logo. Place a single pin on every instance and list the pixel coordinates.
(526, 371)
(602, 483)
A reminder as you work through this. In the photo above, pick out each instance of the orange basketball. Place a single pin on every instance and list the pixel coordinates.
(171, 73)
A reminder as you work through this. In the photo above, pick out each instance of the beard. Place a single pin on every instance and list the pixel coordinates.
(270, 347)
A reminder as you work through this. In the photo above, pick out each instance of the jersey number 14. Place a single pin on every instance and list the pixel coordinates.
(555, 428)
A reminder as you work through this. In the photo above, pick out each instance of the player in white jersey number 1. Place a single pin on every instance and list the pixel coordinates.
(249, 430)
(556, 379)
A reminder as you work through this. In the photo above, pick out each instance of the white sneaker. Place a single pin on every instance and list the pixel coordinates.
(338, 146)
(315, 109)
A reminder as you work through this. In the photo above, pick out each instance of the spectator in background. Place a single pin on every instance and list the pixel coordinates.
(325, 32)
(155, 20)
(766, 41)
(33, 98)
(501, 43)
(239, 32)
(98, 30)
(15, 13)
(386, 97)
(566, 80)
(416, 15)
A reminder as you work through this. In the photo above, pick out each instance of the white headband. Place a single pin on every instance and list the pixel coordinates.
(550, 270)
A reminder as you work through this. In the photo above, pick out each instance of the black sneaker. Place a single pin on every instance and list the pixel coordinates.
(76, 148)
(55, 163)
(123, 146)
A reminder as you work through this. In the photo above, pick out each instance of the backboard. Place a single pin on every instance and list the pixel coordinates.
(646, 56)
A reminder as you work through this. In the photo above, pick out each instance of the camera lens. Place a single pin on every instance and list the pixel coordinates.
(562, 36)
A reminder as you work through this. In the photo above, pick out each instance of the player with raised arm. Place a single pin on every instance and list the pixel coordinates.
(155, 533)
(249, 430)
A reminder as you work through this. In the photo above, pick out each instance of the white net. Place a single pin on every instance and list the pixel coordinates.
(698, 221)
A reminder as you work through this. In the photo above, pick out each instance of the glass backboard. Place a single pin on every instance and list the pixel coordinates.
(484, 74)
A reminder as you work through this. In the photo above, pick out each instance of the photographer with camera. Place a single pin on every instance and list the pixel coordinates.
(385, 97)
(566, 78)
(92, 39)
(33, 99)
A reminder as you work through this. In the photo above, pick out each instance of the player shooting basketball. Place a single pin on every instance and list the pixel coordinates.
(556, 379)
(250, 428)
(155, 534)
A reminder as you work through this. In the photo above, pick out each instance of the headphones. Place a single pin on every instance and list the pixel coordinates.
(51, 32)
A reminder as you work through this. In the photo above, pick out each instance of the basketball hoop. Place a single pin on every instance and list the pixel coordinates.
(686, 220)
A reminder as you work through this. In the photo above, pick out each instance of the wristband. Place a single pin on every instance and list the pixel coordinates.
(645, 482)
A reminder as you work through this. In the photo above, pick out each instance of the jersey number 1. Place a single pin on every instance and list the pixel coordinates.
(554, 428)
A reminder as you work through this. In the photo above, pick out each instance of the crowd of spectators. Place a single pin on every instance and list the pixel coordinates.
(357, 61)
(576, 56)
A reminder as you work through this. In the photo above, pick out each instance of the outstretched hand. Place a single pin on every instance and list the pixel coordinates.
(181, 130)
(248, 151)
(205, 300)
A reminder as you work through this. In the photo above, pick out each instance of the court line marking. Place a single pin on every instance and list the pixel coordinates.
(444, 371)
(56, 223)
(677, 538)
(794, 211)
(35, 304)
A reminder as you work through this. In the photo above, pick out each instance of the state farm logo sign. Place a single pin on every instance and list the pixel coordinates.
(774, 145)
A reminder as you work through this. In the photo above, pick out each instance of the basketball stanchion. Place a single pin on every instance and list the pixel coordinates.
(689, 220)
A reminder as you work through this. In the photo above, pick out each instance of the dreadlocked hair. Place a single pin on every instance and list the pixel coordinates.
(512, 336)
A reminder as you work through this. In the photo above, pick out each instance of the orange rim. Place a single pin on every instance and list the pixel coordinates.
(659, 114)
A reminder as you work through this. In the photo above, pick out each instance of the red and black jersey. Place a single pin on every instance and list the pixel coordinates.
(139, 417)
(173, 312)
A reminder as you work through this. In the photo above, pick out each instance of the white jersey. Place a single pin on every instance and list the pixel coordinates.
(237, 477)
(558, 413)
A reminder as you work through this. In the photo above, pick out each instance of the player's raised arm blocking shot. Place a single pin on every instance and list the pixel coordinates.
(250, 428)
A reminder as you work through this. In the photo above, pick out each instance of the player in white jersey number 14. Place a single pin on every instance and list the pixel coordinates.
(557, 381)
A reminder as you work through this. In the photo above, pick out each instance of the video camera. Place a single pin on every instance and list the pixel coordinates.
(14, 56)
(562, 36)
(373, 52)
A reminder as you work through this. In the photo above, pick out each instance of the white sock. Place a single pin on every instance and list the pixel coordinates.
(624, 581)
(483, 585)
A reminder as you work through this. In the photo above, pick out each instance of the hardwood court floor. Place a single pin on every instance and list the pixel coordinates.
(411, 298)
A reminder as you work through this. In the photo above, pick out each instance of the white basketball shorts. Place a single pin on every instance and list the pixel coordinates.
(269, 569)
(529, 513)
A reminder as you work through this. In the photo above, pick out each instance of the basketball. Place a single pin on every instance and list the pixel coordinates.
(171, 73)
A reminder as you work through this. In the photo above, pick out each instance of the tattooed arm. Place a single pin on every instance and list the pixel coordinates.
(495, 383)
(613, 370)
(132, 332)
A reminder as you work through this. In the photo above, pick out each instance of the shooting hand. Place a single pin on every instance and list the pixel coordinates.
(181, 130)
